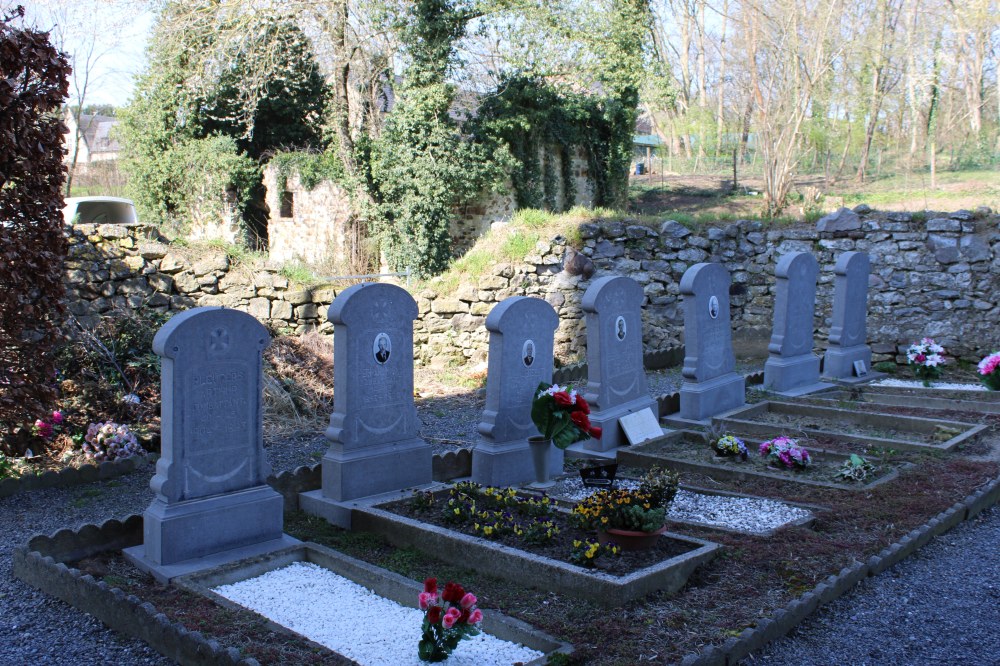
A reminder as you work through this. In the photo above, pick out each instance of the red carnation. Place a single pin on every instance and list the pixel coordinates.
(562, 399)
(434, 614)
(582, 405)
(581, 420)
(595, 432)
(431, 585)
(453, 592)
(464, 617)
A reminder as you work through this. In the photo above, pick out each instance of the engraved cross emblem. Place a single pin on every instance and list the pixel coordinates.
(218, 341)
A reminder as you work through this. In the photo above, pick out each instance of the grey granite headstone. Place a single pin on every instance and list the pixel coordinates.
(521, 331)
(792, 368)
(375, 447)
(616, 378)
(212, 504)
(848, 330)
(711, 385)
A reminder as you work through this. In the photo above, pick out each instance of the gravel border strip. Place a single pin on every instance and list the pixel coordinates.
(783, 620)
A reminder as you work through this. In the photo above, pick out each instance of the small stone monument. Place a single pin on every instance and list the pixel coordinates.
(212, 503)
(521, 331)
(616, 378)
(375, 447)
(848, 358)
(792, 369)
(711, 386)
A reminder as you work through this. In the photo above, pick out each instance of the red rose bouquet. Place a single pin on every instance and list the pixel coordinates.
(562, 415)
(449, 616)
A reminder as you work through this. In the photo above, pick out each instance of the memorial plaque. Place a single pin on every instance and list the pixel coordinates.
(641, 426)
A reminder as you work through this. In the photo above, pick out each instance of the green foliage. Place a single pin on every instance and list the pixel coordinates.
(312, 168)
(191, 137)
(421, 167)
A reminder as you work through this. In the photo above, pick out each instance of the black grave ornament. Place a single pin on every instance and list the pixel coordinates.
(600, 476)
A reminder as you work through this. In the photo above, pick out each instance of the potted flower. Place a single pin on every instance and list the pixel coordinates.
(989, 371)
(449, 616)
(630, 518)
(926, 358)
(728, 446)
(562, 417)
(785, 452)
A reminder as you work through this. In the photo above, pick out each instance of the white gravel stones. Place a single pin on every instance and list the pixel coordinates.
(746, 514)
(356, 622)
(916, 384)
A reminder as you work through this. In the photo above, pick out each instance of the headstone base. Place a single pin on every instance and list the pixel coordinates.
(838, 364)
(166, 573)
(607, 420)
(703, 400)
(504, 464)
(185, 536)
(793, 375)
(374, 470)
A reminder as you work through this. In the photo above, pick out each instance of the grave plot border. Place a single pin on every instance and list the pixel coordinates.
(41, 565)
(741, 422)
(74, 476)
(385, 583)
(783, 620)
(879, 397)
(534, 570)
(635, 456)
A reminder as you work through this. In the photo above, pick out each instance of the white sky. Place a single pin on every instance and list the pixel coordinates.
(114, 32)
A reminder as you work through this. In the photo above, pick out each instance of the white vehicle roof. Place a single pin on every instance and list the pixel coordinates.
(99, 210)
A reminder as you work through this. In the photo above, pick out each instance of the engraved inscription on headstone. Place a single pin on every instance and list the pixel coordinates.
(212, 498)
(792, 368)
(521, 343)
(710, 384)
(616, 379)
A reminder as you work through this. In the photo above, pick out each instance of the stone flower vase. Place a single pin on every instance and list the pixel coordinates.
(629, 540)
(540, 447)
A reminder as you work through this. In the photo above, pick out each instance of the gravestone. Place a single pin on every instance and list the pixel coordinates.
(373, 432)
(792, 369)
(212, 502)
(711, 385)
(848, 358)
(616, 378)
(521, 332)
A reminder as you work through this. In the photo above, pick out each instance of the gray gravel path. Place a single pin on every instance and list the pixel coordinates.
(939, 606)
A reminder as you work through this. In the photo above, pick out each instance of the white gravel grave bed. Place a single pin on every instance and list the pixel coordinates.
(355, 622)
(746, 514)
(917, 384)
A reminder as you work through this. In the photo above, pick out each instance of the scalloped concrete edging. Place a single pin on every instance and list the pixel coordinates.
(783, 620)
(124, 613)
(73, 476)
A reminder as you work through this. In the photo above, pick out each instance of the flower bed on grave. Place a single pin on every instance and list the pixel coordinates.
(689, 452)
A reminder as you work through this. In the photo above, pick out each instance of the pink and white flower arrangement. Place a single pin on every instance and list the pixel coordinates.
(785, 451)
(926, 358)
(449, 616)
(47, 428)
(110, 441)
(989, 371)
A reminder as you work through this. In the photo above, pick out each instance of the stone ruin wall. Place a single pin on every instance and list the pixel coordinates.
(936, 276)
(315, 231)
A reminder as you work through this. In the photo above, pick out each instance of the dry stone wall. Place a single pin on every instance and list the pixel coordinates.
(935, 274)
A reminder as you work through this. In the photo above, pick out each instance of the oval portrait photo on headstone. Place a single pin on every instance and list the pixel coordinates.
(528, 353)
(620, 330)
(381, 348)
(713, 307)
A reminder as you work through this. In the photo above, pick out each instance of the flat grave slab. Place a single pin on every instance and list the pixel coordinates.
(532, 570)
(770, 419)
(688, 451)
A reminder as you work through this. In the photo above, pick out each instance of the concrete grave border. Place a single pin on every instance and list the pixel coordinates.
(877, 397)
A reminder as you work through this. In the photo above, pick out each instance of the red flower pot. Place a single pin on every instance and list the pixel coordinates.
(629, 540)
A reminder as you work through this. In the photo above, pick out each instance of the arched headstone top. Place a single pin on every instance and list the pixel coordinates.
(798, 266)
(216, 328)
(705, 276)
(514, 310)
(612, 291)
(372, 303)
(851, 263)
